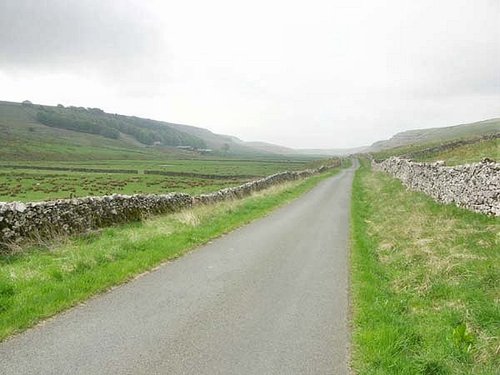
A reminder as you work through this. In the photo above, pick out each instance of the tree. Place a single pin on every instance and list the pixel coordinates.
(226, 147)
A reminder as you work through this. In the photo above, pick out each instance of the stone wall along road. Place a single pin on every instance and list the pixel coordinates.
(475, 187)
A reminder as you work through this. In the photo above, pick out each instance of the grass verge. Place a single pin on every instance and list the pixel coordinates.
(40, 282)
(424, 283)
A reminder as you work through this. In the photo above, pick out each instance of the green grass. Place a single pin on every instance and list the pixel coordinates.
(217, 166)
(471, 153)
(424, 283)
(39, 282)
(24, 138)
(34, 185)
(456, 154)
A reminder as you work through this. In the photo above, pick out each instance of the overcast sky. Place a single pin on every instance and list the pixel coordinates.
(315, 74)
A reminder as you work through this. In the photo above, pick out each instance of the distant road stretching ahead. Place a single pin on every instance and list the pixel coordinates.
(269, 298)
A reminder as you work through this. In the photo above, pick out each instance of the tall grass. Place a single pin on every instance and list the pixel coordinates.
(424, 281)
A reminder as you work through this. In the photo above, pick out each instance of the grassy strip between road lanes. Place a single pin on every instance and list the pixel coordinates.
(425, 283)
(40, 282)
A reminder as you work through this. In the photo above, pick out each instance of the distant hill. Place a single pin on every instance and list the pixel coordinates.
(332, 151)
(438, 135)
(414, 140)
(272, 148)
(221, 142)
(36, 132)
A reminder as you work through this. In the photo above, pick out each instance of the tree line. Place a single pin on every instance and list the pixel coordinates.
(96, 121)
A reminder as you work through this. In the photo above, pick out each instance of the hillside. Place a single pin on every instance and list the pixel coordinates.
(39, 132)
(221, 142)
(438, 135)
(269, 147)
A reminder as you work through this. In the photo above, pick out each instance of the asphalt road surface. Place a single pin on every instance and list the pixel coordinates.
(268, 298)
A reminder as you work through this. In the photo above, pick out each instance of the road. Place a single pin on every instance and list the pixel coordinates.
(268, 298)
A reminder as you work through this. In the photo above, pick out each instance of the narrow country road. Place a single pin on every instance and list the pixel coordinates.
(268, 298)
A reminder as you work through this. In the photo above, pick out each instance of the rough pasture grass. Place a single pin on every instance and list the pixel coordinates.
(40, 282)
(469, 153)
(425, 283)
(223, 166)
(32, 185)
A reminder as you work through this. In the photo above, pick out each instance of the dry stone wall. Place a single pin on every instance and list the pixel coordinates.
(43, 220)
(475, 187)
(253, 186)
(38, 221)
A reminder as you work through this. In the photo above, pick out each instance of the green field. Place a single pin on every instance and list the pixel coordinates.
(26, 186)
(30, 184)
(221, 166)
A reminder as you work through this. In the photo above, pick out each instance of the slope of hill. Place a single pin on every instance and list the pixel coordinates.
(456, 144)
(96, 121)
(463, 152)
(22, 137)
(37, 132)
(269, 147)
(438, 135)
(220, 142)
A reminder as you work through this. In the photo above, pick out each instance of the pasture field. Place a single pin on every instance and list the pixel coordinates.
(32, 183)
(226, 167)
(26, 186)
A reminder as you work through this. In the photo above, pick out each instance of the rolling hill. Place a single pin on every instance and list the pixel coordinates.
(38, 132)
(456, 144)
(438, 135)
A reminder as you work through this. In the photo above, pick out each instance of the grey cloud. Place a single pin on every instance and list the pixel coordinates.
(115, 40)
